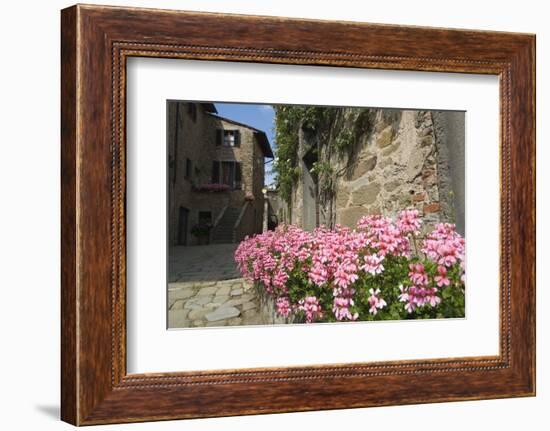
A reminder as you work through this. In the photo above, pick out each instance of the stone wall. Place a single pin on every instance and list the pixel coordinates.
(400, 159)
(248, 223)
(268, 311)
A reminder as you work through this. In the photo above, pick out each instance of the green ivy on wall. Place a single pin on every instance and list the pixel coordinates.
(337, 130)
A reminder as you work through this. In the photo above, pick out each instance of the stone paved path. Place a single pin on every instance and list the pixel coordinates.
(222, 303)
(205, 289)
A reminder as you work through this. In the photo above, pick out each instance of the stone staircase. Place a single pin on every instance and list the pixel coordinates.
(223, 233)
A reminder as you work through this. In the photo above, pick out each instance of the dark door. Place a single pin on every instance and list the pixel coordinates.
(182, 226)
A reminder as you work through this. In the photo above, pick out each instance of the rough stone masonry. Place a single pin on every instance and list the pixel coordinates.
(404, 159)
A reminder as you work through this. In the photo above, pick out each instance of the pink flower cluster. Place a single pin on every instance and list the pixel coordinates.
(386, 237)
(408, 221)
(311, 308)
(270, 257)
(283, 306)
(420, 293)
(336, 267)
(375, 301)
(340, 308)
(445, 247)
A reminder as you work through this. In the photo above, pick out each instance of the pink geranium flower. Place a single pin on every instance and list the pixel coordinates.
(373, 264)
(375, 301)
(341, 309)
(311, 308)
(418, 274)
(283, 307)
(441, 279)
(408, 221)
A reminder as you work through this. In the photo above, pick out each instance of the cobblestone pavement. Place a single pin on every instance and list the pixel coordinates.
(222, 303)
(205, 289)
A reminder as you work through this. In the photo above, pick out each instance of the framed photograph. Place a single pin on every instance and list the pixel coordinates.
(322, 214)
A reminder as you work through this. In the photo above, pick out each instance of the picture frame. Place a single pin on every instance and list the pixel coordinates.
(96, 42)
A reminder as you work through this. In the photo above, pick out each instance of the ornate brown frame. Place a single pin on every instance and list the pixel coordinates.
(95, 43)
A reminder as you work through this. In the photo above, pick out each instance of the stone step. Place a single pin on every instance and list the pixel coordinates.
(223, 233)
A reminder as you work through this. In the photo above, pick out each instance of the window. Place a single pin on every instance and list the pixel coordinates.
(188, 168)
(228, 138)
(229, 173)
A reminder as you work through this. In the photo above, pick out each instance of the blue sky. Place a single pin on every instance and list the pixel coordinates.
(259, 116)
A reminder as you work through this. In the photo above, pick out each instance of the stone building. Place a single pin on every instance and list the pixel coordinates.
(215, 175)
(397, 160)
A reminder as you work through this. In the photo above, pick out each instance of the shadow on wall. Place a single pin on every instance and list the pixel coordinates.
(450, 140)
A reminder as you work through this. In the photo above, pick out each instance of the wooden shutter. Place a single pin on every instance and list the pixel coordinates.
(237, 138)
(238, 175)
(219, 137)
(215, 172)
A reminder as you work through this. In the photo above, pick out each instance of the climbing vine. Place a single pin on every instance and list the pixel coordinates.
(337, 130)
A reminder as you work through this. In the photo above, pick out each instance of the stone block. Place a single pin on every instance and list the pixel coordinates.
(363, 167)
(415, 164)
(210, 290)
(342, 196)
(197, 314)
(350, 216)
(222, 313)
(219, 300)
(191, 305)
(385, 137)
(404, 200)
(201, 300)
(390, 149)
(178, 305)
(223, 290)
(390, 186)
(432, 208)
(184, 293)
(249, 306)
(426, 141)
(365, 195)
(386, 161)
(419, 197)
